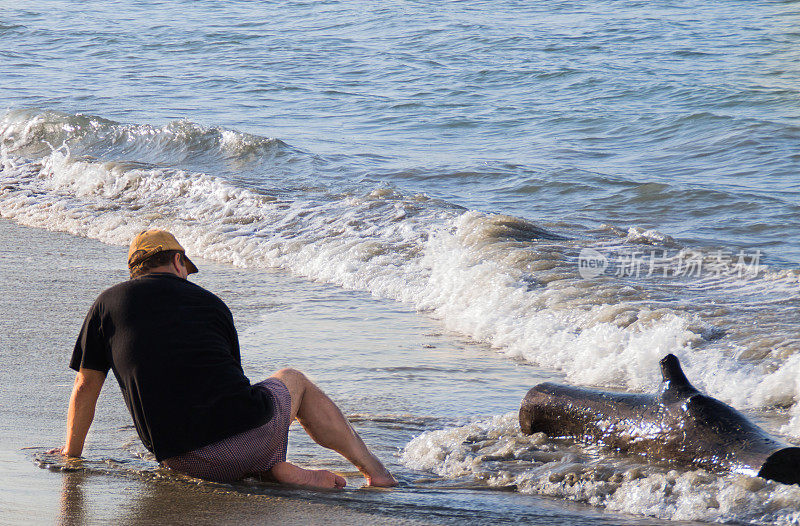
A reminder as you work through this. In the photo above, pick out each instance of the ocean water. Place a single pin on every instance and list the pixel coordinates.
(560, 190)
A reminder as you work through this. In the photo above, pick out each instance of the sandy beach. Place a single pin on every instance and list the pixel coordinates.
(48, 280)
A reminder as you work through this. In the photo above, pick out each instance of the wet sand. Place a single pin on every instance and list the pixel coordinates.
(48, 281)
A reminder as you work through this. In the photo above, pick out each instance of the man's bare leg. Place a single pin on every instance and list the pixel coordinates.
(326, 424)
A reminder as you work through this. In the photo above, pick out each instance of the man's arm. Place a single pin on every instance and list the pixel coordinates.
(85, 391)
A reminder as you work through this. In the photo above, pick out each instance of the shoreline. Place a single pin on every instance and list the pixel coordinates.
(397, 359)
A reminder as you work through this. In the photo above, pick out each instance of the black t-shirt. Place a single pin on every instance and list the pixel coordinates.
(174, 350)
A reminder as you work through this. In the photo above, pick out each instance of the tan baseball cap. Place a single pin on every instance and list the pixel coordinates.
(150, 242)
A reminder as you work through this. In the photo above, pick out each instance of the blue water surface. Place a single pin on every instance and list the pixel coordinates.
(680, 116)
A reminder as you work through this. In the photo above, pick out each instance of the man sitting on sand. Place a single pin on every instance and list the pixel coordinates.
(174, 350)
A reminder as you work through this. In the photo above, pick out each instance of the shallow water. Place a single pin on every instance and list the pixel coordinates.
(421, 187)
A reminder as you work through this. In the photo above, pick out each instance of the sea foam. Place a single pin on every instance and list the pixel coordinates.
(494, 452)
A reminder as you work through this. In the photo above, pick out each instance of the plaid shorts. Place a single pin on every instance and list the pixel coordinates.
(248, 453)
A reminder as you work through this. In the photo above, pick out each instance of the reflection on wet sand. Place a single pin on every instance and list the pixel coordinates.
(72, 501)
(144, 498)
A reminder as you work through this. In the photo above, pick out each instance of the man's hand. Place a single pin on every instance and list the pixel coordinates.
(60, 451)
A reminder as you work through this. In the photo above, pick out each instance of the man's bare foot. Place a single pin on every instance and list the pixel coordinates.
(286, 473)
(381, 481)
(321, 478)
(377, 475)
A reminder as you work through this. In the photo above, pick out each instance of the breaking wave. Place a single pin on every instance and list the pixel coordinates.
(497, 278)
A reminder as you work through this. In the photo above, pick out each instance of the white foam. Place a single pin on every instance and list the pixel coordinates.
(494, 452)
(32, 132)
(643, 236)
(477, 272)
